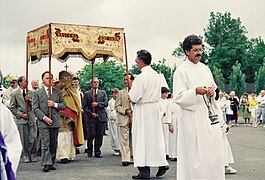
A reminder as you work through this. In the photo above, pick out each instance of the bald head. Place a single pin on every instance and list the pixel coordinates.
(35, 84)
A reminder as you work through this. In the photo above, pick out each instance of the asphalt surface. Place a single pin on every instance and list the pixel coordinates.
(247, 143)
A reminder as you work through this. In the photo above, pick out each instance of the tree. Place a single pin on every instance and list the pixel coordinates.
(218, 77)
(256, 57)
(260, 78)
(110, 75)
(161, 68)
(237, 80)
(227, 40)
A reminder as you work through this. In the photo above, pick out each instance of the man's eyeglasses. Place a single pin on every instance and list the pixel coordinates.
(197, 50)
(137, 60)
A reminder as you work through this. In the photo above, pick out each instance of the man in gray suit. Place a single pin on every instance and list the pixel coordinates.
(48, 126)
(97, 117)
(124, 114)
(26, 121)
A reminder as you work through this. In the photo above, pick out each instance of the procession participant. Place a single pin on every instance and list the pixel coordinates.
(34, 85)
(163, 108)
(48, 127)
(124, 114)
(71, 131)
(147, 132)
(10, 144)
(97, 117)
(203, 156)
(80, 94)
(113, 125)
(172, 116)
(26, 121)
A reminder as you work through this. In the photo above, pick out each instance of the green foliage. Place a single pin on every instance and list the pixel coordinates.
(135, 70)
(178, 51)
(218, 77)
(237, 80)
(110, 75)
(5, 81)
(161, 68)
(228, 42)
(256, 57)
(260, 78)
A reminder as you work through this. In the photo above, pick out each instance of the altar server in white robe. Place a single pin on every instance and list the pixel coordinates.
(163, 108)
(147, 133)
(172, 116)
(200, 144)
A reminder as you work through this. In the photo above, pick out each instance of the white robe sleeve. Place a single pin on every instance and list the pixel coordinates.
(184, 97)
(136, 91)
(169, 113)
(11, 137)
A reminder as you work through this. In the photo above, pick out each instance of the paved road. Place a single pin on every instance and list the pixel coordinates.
(248, 146)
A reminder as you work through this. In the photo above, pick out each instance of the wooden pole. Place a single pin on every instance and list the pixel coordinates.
(127, 72)
(92, 82)
(50, 69)
(27, 76)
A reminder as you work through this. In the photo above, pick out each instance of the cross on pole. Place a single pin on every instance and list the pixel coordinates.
(66, 67)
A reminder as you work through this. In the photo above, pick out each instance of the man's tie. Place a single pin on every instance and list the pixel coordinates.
(24, 94)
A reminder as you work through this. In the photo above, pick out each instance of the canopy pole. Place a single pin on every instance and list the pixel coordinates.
(50, 69)
(27, 76)
(127, 73)
(92, 82)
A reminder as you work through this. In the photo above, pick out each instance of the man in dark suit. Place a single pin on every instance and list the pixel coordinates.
(48, 126)
(97, 117)
(26, 121)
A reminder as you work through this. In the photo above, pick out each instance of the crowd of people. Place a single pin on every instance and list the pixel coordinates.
(147, 124)
(252, 106)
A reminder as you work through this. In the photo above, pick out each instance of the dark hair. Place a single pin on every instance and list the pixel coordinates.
(131, 76)
(20, 80)
(114, 90)
(164, 90)
(75, 78)
(46, 73)
(145, 56)
(189, 41)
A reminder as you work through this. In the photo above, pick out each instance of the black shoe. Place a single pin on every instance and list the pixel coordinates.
(86, 150)
(77, 151)
(46, 168)
(161, 171)
(89, 154)
(174, 159)
(125, 163)
(98, 156)
(64, 160)
(52, 167)
(140, 177)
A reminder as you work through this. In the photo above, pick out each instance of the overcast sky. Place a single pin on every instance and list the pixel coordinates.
(154, 25)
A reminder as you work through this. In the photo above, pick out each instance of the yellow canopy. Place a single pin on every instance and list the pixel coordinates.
(82, 40)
